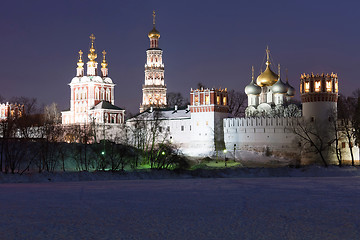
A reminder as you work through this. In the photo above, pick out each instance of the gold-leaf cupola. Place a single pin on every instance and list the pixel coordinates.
(154, 33)
(80, 63)
(104, 62)
(92, 54)
(267, 77)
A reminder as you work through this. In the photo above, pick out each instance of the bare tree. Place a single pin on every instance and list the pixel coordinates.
(18, 143)
(148, 131)
(313, 137)
(81, 135)
(347, 119)
(176, 98)
(51, 146)
(30, 104)
(170, 157)
(237, 103)
(336, 136)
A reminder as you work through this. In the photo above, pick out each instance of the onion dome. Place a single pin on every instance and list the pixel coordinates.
(291, 91)
(80, 63)
(252, 88)
(267, 77)
(279, 87)
(154, 33)
(104, 62)
(92, 55)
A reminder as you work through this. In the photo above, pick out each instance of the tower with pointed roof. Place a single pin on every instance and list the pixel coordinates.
(92, 95)
(154, 88)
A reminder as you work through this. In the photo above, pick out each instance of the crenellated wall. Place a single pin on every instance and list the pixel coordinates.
(271, 135)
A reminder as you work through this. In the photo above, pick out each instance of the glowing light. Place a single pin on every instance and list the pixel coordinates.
(336, 87)
(207, 100)
(307, 87)
(163, 153)
(225, 151)
(317, 86)
(103, 153)
(328, 86)
(196, 100)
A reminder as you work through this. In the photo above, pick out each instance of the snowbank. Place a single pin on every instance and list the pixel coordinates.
(236, 172)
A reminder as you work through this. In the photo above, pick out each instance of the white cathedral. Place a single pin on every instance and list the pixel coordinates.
(204, 127)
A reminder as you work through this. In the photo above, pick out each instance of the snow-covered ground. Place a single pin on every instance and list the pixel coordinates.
(192, 208)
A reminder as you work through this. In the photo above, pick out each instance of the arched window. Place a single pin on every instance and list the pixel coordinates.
(102, 94)
(108, 95)
(97, 93)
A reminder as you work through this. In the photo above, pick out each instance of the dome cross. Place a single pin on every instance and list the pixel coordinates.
(154, 15)
(80, 55)
(92, 37)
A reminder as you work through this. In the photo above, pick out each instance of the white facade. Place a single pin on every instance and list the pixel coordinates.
(261, 134)
(92, 95)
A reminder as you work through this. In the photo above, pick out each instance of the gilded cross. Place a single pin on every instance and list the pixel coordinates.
(252, 73)
(154, 17)
(267, 53)
(92, 37)
(279, 69)
(80, 54)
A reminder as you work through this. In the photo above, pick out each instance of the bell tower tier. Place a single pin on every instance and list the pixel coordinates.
(154, 89)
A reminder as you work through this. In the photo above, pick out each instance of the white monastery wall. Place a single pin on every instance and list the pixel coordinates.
(262, 134)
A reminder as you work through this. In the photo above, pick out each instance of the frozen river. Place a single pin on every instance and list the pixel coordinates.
(232, 208)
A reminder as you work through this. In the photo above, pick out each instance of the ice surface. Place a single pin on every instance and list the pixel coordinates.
(212, 208)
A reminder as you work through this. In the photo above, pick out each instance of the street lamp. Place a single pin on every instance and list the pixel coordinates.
(225, 151)
(234, 152)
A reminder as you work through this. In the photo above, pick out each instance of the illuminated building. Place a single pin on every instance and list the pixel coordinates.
(154, 88)
(270, 119)
(269, 95)
(196, 129)
(92, 95)
(10, 111)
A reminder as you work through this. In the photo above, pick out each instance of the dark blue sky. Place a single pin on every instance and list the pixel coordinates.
(213, 42)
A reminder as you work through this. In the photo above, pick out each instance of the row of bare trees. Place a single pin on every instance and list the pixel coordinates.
(36, 140)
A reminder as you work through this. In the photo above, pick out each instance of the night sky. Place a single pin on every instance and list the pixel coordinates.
(213, 42)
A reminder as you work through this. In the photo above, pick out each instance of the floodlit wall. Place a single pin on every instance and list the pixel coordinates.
(269, 135)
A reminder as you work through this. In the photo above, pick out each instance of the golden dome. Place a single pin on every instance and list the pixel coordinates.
(92, 55)
(104, 62)
(80, 63)
(267, 77)
(154, 33)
